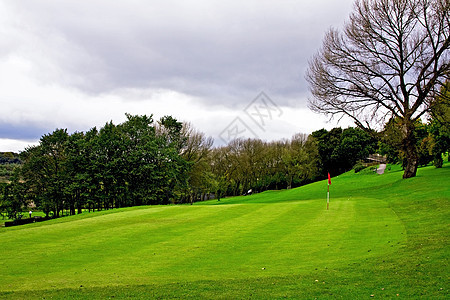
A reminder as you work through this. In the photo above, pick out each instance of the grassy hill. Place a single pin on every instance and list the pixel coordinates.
(382, 237)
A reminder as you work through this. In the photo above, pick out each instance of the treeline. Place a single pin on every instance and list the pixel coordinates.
(143, 162)
(137, 162)
(7, 158)
(253, 164)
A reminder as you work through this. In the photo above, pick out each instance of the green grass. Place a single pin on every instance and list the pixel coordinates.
(382, 236)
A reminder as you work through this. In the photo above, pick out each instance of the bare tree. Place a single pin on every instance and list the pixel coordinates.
(390, 60)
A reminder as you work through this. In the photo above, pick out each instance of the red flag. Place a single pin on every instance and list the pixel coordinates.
(329, 178)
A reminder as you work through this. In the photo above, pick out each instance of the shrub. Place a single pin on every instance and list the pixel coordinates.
(359, 167)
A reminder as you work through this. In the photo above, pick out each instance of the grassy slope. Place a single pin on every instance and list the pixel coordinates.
(382, 236)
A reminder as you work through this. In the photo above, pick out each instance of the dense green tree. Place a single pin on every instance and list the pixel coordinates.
(13, 197)
(439, 126)
(340, 150)
(327, 142)
(172, 132)
(139, 161)
(3, 204)
(91, 182)
(77, 165)
(355, 144)
(172, 169)
(390, 143)
(44, 171)
(109, 148)
(424, 144)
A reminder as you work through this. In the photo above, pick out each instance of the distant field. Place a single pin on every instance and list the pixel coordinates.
(382, 236)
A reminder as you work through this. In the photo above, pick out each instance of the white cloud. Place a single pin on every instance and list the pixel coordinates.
(16, 146)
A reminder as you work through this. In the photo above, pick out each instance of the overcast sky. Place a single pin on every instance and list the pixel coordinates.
(229, 67)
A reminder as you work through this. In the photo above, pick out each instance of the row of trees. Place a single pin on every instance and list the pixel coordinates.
(253, 164)
(140, 162)
(133, 163)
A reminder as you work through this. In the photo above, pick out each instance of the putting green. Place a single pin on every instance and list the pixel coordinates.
(157, 245)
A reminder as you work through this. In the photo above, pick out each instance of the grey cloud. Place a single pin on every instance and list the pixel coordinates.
(217, 50)
(24, 131)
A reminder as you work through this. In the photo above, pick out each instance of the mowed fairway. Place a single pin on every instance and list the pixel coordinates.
(382, 236)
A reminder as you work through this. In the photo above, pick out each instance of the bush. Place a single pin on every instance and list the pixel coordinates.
(359, 167)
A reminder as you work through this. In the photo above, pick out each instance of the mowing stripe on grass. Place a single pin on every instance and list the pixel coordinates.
(193, 243)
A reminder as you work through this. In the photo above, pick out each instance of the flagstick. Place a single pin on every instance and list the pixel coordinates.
(328, 196)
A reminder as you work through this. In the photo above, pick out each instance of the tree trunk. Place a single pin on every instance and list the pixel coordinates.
(72, 209)
(410, 151)
(289, 185)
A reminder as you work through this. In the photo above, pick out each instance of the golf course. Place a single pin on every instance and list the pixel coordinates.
(382, 237)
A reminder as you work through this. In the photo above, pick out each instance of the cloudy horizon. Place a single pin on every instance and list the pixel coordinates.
(79, 65)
